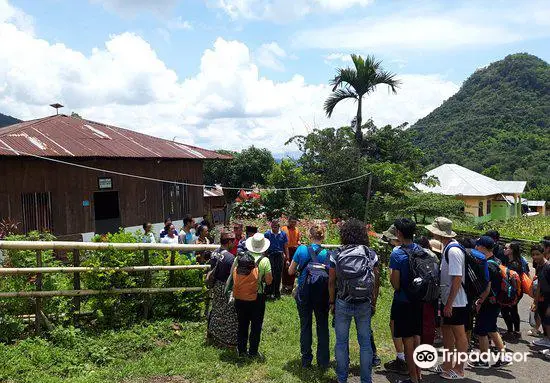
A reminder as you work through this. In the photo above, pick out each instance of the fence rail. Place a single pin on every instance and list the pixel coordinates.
(76, 270)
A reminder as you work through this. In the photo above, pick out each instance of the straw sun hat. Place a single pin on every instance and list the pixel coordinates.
(442, 226)
(257, 243)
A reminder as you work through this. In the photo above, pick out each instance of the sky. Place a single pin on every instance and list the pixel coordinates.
(227, 74)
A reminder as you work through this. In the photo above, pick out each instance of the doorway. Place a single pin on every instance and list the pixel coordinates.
(107, 212)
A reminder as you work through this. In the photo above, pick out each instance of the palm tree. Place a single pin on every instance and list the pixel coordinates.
(357, 82)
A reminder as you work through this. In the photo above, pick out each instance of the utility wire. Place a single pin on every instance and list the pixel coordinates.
(184, 183)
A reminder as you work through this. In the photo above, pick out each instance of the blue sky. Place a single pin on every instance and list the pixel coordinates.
(231, 73)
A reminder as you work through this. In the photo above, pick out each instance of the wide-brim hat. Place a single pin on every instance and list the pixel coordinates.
(442, 226)
(391, 233)
(257, 243)
(436, 246)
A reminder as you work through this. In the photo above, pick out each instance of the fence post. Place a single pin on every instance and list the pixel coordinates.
(172, 278)
(147, 283)
(38, 300)
(76, 283)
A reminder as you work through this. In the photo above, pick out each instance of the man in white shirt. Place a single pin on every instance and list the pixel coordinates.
(454, 302)
(171, 238)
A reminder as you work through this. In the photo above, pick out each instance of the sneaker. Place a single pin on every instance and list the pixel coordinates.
(546, 352)
(481, 365)
(502, 363)
(259, 356)
(376, 362)
(534, 332)
(542, 342)
(398, 366)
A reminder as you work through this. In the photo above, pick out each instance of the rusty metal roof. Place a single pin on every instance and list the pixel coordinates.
(65, 136)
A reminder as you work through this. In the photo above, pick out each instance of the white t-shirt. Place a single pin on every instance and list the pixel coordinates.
(455, 267)
(169, 241)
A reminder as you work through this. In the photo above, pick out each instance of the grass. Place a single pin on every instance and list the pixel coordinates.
(165, 348)
(526, 228)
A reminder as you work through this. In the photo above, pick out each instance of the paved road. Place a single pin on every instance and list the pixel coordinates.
(536, 370)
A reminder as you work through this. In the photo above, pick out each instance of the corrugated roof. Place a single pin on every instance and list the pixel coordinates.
(458, 180)
(536, 203)
(213, 192)
(65, 136)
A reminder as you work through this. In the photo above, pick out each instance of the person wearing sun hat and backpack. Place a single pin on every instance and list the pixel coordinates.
(250, 273)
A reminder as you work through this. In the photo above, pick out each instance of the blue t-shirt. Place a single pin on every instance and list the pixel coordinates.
(276, 241)
(301, 257)
(399, 260)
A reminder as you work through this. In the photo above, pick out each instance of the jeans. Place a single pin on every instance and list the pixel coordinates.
(306, 311)
(250, 314)
(361, 312)
(277, 262)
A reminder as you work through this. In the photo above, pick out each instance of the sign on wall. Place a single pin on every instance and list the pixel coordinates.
(105, 183)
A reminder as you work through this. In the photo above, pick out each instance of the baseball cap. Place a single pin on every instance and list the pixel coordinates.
(486, 241)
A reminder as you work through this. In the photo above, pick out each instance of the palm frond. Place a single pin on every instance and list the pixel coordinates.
(386, 78)
(337, 96)
(343, 76)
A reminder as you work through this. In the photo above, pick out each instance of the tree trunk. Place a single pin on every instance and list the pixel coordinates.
(359, 122)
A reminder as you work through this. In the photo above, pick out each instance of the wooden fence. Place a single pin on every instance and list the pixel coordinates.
(76, 269)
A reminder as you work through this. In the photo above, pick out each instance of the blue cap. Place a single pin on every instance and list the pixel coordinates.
(486, 241)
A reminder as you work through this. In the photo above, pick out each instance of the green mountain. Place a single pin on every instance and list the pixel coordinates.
(497, 124)
(7, 120)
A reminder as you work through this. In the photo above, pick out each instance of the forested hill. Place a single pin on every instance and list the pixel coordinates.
(498, 123)
(7, 120)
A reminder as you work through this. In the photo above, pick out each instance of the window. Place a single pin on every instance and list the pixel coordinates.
(488, 206)
(480, 209)
(37, 211)
(175, 200)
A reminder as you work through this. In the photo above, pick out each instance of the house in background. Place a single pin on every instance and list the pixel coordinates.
(484, 198)
(214, 204)
(537, 206)
(75, 202)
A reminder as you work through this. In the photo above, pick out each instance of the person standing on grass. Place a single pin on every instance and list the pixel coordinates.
(278, 252)
(293, 235)
(353, 289)
(222, 318)
(518, 264)
(454, 302)
(249, 232)
(408, 314)
(250, 273)
(148, 235)
(202, 239)
(312, 263)
(488, 308)
(171, 237)
(398, 365)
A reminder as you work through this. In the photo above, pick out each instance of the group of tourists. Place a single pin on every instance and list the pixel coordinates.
(446, 290)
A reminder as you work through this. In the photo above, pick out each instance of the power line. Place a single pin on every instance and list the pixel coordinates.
(184, 183)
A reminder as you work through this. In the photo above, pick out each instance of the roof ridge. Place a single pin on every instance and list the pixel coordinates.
(465, 180)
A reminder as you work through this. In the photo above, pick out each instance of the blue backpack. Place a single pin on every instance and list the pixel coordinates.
(314, 290)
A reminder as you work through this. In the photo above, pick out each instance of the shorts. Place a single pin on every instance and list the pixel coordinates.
(407, 319)
(471, 317)
(459, 317)
(486, 321)
(392, 310)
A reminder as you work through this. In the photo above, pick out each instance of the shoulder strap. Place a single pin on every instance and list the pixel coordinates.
(259, 260)
(453, 244)
(312, 256)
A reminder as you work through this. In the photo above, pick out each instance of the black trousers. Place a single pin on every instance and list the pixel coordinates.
(250, 315)
(277, 262)
(511, 317)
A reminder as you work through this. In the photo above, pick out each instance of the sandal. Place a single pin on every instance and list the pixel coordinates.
(451, 375)
(438, 369)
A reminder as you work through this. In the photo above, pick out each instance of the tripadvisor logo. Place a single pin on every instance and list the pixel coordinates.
(426, 356)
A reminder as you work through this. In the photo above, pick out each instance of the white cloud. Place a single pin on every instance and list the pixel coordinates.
(227, 104)
(342, 57)
(132, 7)
(179, 24)
(282, 10)
(9, 13)
(270, 55)
(433, 29)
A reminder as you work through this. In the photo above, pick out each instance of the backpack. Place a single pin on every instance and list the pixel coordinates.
(423, 284)
(476, 276)
(510, 286)
(544, 279)
(354, 267)
(315, 287)
(245, 277)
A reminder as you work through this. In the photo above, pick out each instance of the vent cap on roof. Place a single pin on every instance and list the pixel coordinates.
(56, 106)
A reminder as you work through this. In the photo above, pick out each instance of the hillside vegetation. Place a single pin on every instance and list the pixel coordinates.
(497, 124)
(6, 120)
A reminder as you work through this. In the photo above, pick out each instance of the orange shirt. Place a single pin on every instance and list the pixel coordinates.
(293, 236)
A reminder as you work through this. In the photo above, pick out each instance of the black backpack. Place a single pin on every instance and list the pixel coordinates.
(315, 287)
(475, 266)
(355, 271)
(246, 263)
(423, 285)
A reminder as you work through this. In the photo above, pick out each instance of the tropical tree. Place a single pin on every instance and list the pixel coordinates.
(355, 83)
